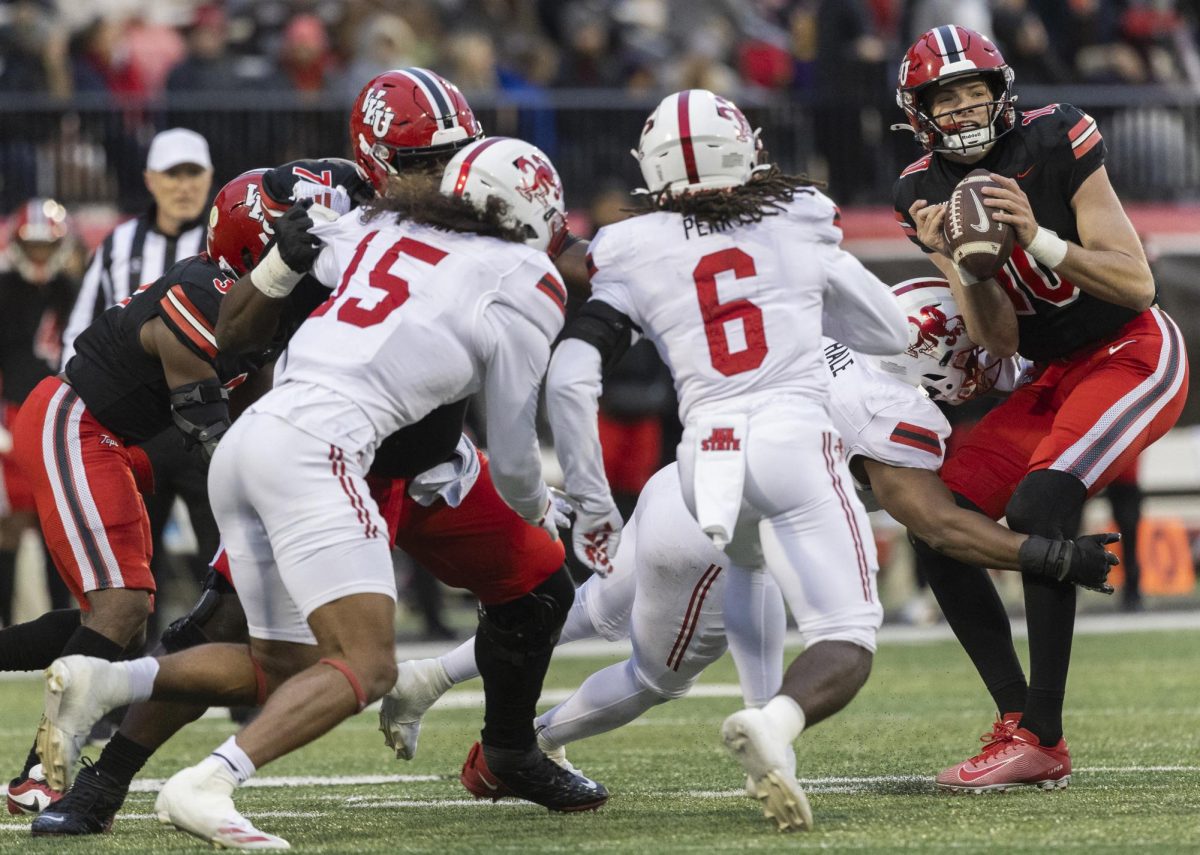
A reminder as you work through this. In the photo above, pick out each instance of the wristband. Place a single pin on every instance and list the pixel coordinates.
(967, 279)
(273, 277)
(1047, 247)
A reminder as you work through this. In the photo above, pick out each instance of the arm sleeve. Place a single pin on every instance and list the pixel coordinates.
(860, 310)
(572, 399)
(90, 298)
(514, 374)
(609, 331)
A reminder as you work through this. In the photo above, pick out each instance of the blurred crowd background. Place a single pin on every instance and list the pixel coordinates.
(85, 86)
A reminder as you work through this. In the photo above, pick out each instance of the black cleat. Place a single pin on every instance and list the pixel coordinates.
(87, 808)
(529, 775)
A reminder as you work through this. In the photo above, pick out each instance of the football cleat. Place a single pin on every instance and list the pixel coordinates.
(79, 690)
(30, 794)
(419, 684)
(748, 736)
(199, 800)
(529, 775)
(88, 807)
(1012, 758)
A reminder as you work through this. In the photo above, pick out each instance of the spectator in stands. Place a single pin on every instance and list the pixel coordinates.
(36, 294)
(383, 41)
(1022, 36)
(179, 177)
(305, 57)
(206, 68)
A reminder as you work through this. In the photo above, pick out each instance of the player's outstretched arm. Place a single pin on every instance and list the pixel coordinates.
(860, 310)
(919, 500)
(251, 308)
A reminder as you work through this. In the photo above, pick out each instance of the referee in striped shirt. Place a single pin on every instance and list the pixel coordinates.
(179, 177)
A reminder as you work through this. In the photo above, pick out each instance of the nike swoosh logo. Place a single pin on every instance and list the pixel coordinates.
(47, 817)
(1117, 347)
(967, 776)
(982, 225)
(483, 779)
(1021, 175)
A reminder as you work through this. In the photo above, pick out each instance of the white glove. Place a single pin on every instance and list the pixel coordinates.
(595, 537)
(552, 518)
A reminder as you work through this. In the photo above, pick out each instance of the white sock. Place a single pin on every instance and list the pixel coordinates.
(141, 677)
(460, 662)
(608, 699)
(755, 626)
(785, 717)
(235, 759)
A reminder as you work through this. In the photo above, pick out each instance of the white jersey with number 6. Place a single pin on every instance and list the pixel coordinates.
(739, 311)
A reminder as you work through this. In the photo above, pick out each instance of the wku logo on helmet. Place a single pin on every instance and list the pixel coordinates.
(932, 327)
(728, 110)
(540, 181)
(377, 113)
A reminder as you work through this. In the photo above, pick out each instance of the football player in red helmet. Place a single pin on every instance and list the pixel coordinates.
(408, 117)
(1078, 299)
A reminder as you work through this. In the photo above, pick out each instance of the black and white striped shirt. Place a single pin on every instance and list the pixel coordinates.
(133, 254)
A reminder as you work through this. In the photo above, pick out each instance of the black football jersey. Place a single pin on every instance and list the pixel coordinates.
(1050, 153)
(122, 385)
(32, 320)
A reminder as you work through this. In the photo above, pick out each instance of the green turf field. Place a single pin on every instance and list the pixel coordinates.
(1134, 727)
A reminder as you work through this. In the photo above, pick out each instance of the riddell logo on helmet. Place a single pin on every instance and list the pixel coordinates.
(376, 113)
(722, 439)
(540, 181)
(933, 326)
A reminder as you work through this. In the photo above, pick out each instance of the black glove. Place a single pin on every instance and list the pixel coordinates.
(1083, 561)
(297, 247)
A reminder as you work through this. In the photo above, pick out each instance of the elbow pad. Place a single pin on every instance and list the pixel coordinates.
(201, 412)
(604, 328)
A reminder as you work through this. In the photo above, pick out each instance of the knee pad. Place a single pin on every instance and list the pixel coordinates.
(531, 623)
(189, 630)
(1047, 503)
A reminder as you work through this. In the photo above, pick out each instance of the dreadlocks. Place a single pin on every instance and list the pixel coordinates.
(764, 195)
(417, 198)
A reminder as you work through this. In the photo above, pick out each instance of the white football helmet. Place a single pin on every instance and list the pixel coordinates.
(940, 359)
(521, 175)
(695, 140)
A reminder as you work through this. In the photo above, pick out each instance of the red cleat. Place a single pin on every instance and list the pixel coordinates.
(31, 794)
(532, 776)
(478, 778)
(1012, 757)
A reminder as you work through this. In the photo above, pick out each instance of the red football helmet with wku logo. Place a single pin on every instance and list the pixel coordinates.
(239, 225)
(941, 359)
(408, 115)
(948, 53)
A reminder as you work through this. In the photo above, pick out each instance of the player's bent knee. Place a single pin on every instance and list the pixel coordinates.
(531, 623)
(369, 681)
(1047, 503)
(665, 685)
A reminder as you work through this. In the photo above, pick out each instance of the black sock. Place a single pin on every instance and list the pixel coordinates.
(123, 758)
(8, 579)
(1010, 698)
(511, 688)
(975, 612)
(1050, 615)
(35, 644)
(31, 760)
(85, 641)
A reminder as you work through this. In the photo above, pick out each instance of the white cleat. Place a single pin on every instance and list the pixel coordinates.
(420, 682)
(764, 756)
(79, 691)
(199, 800)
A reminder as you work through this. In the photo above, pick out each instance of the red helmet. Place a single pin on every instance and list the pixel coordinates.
(946, 53)
(407, 114)
(37, 239)
(239, 224)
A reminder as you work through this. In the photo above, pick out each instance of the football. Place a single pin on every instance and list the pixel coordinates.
(977, 242)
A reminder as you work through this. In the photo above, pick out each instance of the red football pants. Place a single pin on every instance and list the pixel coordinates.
(92, 514)
(1089, 416)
